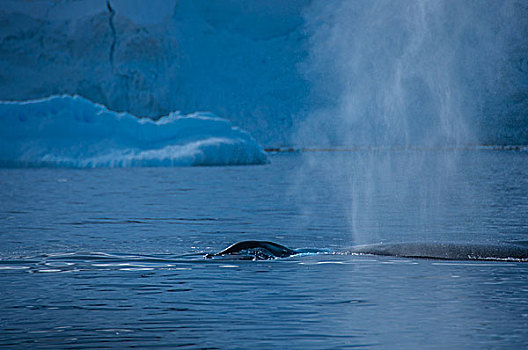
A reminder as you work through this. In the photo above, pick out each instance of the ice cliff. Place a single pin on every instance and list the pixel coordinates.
(342, 72)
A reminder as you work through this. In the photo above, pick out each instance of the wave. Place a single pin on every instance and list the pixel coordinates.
(71, 131)
(259, 250)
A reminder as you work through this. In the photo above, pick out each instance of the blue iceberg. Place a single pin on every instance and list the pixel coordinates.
(71, 131)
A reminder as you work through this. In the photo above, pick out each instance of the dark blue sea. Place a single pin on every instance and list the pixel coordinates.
(113, 258)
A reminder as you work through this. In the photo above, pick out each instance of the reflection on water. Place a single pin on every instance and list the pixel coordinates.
(114, 258)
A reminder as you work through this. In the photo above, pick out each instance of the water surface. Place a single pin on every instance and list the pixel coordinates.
(113, 257)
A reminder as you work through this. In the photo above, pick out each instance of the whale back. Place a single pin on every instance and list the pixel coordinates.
(447, 251)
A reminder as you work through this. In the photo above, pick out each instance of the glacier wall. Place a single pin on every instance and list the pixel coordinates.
(66, 131)
(301, 72)
(149, 58)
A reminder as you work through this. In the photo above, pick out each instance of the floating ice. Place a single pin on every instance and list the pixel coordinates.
(70, 131)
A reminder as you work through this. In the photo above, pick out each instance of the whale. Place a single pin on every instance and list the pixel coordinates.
(446, 251)
(255, 250)
(265, 250)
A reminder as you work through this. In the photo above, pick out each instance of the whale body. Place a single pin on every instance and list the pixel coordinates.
(265, 250)
(446, 251)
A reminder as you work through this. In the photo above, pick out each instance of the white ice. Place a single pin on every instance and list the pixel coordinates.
(71, 131)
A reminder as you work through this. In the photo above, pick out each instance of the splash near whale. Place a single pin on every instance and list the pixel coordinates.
(264, 250)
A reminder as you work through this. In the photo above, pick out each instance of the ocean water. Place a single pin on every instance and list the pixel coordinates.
(113, 258)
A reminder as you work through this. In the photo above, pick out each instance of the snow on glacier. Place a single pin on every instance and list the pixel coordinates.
(71, 131)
